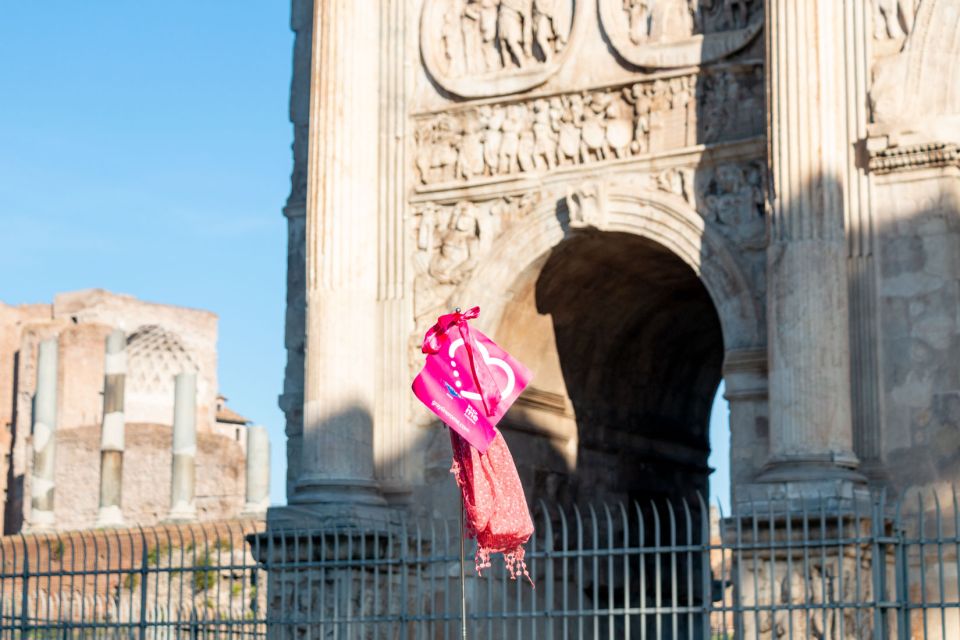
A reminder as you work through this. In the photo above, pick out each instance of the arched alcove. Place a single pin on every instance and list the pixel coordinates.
(626, 349)
(626, 322)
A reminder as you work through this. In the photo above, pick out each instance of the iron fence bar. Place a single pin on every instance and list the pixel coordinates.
(788, 582)
(877, 566)
(921, 517)
(824, 587)
(903, 593)
(548, 568)
(674, 599)
(144, 585)
(689, 568)
(625, 521)
(518, 605)
(24, 606)
(940, 565)
(641, 533)
(522, 587)
(756, 587)
(579, 520)
(657, 580)
(723, 573)
(610, 582)
(565, 572)
(807, 570)
(706, 570)
(956, 544)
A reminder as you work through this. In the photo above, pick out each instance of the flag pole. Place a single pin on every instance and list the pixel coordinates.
(463, 580)
(463, 583)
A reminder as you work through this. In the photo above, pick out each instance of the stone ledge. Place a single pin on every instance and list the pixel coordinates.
(884, 159)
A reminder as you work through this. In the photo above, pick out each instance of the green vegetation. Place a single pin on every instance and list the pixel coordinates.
(204, 576)
(131, 581)
(155, 553)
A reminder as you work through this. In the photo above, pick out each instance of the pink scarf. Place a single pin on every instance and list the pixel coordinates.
(493, 501)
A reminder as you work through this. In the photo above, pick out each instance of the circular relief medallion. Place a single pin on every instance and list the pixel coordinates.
(481, 48)
(664, 34)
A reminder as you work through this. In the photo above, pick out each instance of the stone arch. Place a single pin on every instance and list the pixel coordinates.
(659, 304)
(657, 216)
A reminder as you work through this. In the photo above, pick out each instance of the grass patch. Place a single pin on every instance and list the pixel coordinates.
(204, 576)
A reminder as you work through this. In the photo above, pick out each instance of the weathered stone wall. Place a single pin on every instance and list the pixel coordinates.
(146, 476)
(911, 152)
(919, 232)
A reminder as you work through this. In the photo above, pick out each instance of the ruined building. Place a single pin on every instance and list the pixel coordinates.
(90, 385)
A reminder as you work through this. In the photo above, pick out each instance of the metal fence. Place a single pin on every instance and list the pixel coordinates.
(841, 570)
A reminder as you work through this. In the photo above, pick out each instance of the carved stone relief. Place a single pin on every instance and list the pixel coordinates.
(587, 205)
(475, 48)
(452, 238)
(914, 97)
(893, 19)
(541, 134)
(731, 197)
(661, 34)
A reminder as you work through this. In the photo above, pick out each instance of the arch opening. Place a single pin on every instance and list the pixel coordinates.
(626, 349)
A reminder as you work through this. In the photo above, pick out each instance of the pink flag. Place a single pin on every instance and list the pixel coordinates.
(468, 381)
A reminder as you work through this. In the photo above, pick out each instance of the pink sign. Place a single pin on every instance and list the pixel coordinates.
(468, 381)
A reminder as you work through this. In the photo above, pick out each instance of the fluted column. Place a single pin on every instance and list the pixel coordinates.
(183, 472)
(809, 346)
(112, 431)
(44, 438)
(336, 465)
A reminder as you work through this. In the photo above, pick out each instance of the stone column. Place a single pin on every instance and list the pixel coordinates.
(336, 459)
(112, 431)
(258, 472)
(44, 440)
(183, 477)
(809, 345)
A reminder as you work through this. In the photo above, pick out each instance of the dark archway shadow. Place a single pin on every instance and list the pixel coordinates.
(627, 351)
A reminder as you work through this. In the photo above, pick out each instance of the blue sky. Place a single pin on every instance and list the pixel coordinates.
(145, 149)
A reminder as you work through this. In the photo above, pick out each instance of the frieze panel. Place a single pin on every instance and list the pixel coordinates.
(478, 48)
(452, 238)
(663, 34)
(494, 141)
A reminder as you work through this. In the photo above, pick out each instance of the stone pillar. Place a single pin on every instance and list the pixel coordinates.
(809, 346)
(336, 457)
(183, 477)
(258, 472)
(112, 431)
(745, 380)
(44, 438)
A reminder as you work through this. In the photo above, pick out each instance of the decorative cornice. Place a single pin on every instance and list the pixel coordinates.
(883, 159)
